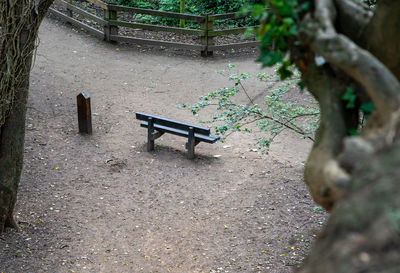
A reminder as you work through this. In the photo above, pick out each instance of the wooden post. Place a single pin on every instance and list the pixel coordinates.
(210, 39)
(109, 30)
(182, 10)
(206, 26)
(203, 38)
(69, 12)
(84, 113)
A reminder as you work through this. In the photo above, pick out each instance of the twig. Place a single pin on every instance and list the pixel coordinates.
(244, 89)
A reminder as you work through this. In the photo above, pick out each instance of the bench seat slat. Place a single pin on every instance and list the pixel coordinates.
(173, 124)
(198, 136)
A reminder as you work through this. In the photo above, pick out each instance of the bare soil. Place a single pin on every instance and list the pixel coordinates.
(101, 203)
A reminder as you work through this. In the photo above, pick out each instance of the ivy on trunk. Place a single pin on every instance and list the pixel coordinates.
(19, 24)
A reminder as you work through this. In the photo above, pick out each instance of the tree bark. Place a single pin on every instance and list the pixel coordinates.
(328, 88)
(363, 231)
(19, 24)
(348, 64)
(382, 35)
(362, 234)
(11, 153)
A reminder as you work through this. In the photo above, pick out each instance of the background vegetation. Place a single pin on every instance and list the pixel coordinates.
(193, 7)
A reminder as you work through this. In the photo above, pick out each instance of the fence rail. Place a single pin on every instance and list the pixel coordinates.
(175, 15)
(110, 25)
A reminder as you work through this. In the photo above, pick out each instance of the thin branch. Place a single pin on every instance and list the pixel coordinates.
(244, 89)
(295, 128)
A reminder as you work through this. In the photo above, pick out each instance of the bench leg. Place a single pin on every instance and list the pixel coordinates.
(191, 143)
(150, 132)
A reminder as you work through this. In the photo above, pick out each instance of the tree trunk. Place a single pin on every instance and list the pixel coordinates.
(11, 152)
(342, 32)
(361, 51)
(19, 24)
(363, 231)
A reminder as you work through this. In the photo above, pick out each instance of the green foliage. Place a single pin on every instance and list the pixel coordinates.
(318, 209)
(275, 114)
(393, 215)
(193, 7)
(353, 132)
(152, 4)
(278, 29)
(170, 6)
(350, 97)
(366, 108)
(220, 6)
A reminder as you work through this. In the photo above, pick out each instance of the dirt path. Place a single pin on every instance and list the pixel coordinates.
(103, 204)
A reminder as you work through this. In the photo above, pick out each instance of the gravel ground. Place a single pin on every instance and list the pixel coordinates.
(100, 203)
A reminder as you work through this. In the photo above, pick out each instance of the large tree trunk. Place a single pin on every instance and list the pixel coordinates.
(19, 24)
(361, 50)
(363, 231)
(357, 177)
(11, 152)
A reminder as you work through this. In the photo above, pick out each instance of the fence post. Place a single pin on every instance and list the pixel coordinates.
(210, 39)
(110, 14)
(69, 12)
(182, 10)
(206, 26)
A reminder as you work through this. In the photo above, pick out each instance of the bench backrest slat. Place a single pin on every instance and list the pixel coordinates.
(173, 123)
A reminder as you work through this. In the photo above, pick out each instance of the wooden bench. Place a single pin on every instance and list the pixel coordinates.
(157, 126)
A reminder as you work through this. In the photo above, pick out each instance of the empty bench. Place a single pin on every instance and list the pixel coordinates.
(157, 126)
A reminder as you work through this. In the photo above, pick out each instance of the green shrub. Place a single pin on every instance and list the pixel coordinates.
(192, 7)
(152, 4)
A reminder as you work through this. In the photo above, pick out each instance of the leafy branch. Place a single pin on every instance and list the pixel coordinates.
(277, 110)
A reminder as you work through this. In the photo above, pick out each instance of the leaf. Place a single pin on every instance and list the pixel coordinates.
(350, 97)
(257, 11)
(288, 20)
(301, 85)
(270, 58)
(353, 132)
(293, 30)
(367, 107)
(317, 209)
(266, 41)
(284, 72)
(305, 6)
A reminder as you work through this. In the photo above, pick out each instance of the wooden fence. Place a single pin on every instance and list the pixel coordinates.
(110, 24)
